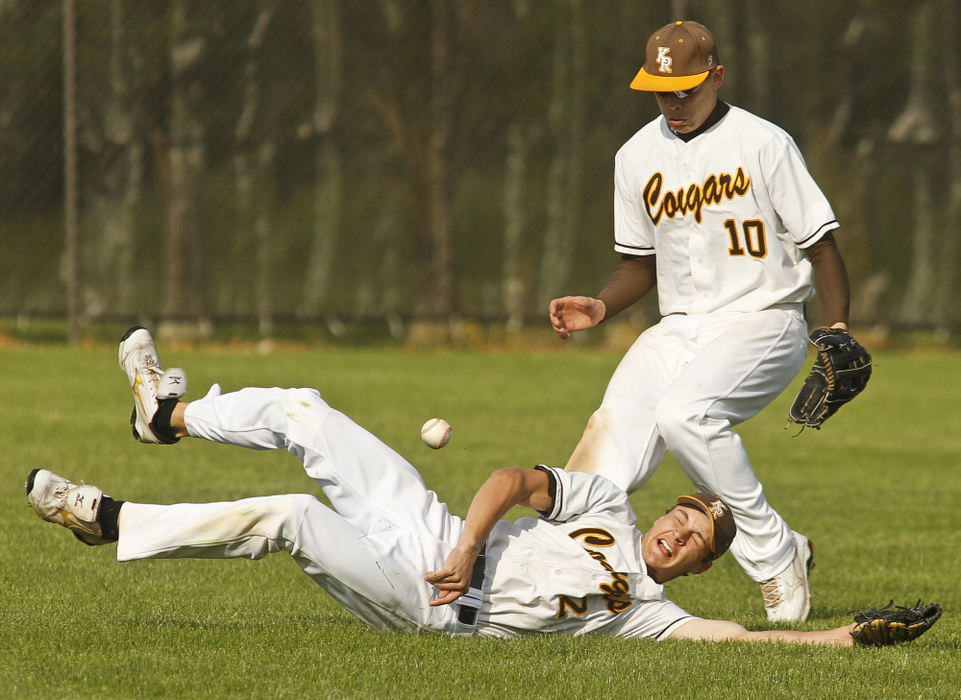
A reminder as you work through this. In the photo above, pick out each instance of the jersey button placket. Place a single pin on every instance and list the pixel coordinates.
(700, 271)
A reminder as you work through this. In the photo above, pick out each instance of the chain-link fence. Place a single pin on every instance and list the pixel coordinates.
(375, 159)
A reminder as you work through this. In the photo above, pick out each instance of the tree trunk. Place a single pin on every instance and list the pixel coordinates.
(515, 219)
(565, 175)
(71, 207)
(946, 311)
(185, 285)
(916, 128)
(758, 54)
(722, 22)
(265, 244)
(856, 206)
(552, 278)
(251, 165)
(113, 205)
(577, 116)
(916, 123)
(328, 178)
(438, 170)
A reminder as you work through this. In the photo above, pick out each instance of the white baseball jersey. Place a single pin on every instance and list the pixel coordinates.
(726, 213)
(577, 570)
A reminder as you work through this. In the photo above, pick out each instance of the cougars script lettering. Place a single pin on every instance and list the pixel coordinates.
(693, 197)
(616, 594)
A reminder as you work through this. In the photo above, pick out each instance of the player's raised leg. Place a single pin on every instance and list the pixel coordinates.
(366, 481)
(154, 390)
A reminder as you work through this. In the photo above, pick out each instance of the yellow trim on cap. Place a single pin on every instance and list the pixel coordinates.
(646, 82)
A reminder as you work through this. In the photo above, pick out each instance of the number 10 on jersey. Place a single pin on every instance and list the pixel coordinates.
(748, 240)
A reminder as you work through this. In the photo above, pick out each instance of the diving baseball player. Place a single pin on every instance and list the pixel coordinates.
(715, 207)
(389, 551)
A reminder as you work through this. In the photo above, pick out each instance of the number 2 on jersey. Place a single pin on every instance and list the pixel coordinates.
(754, 241)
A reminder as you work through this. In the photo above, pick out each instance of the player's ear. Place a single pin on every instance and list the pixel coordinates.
(702, 567)
(717, 75)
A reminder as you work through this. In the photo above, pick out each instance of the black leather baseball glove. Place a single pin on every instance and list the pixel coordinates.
(840, 372)
(889, 625)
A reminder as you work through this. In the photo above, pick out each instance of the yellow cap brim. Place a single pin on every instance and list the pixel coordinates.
(646, 82)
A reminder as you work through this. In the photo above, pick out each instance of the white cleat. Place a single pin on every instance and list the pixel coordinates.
(60, 501)
(148, 381)
(787, 596)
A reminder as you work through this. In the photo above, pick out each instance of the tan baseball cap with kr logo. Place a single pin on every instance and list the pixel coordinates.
(679, 57)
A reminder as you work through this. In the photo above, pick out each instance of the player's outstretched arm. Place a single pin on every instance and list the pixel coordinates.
(570, 314)
(633, 277)
(503, 490)
(876, 627)
(724, 630)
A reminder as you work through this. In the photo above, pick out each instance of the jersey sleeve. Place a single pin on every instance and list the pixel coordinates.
(633, 231)
(803, 209)
(650, 619)
(574, 494)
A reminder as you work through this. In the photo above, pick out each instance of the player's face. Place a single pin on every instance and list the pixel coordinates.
(677, 543)
(686, 114)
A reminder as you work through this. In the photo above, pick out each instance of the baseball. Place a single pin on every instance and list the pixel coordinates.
(435, 433)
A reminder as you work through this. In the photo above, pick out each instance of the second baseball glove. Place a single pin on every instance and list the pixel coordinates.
(887, 625)
(840, 372)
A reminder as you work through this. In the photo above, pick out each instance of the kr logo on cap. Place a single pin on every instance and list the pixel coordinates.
(663, 59)
(717, 509)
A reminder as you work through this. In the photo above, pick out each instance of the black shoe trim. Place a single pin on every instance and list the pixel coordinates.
(133, 423)
(86, 542)
(164, 439)
(130, 331)
(31, 479)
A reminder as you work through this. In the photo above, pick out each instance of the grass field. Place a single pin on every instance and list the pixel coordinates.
(877, 489)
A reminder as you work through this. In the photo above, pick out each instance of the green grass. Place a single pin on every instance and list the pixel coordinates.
(877, 490)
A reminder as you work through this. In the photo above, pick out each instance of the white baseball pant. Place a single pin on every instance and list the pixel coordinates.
(371, 555)
(682, 387)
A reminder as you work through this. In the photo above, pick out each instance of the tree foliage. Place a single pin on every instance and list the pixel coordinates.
(440, 158)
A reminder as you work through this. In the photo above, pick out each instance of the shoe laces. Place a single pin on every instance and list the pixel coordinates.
(59, 494)
(151, 365)
(152, 372)
(771, 593)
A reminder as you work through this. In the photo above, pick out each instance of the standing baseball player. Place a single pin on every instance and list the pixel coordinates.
(715, 207)
(391, 553)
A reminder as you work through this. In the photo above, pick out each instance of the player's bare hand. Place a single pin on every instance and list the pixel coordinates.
(570, 314)
(453, 579)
